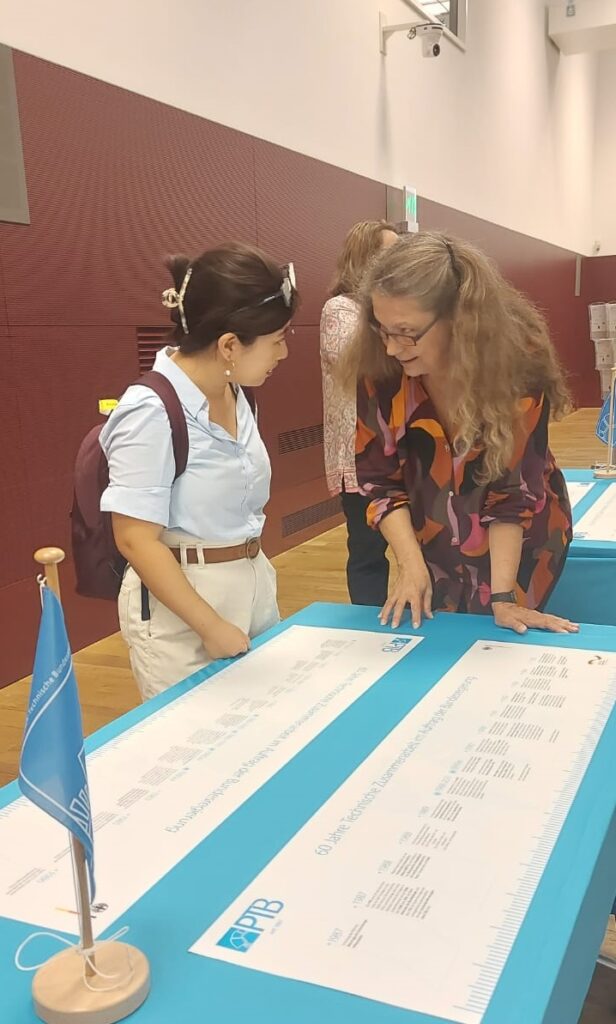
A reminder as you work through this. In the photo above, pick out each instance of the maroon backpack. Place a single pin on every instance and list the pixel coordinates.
(99, 566)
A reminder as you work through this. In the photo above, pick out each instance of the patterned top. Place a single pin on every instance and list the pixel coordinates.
(404, 458)
(338, 322)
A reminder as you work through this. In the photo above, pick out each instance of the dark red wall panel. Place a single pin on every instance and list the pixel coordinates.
(599, 279)
(4, 324)
(60, 373)
(11, 446)
(115, 182)
(291, 402)
(304, 210)
(20, 609)
(15, 507)
(282, 401)
(17, 543)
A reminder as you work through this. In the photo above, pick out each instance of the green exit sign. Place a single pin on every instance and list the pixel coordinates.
(410, 207)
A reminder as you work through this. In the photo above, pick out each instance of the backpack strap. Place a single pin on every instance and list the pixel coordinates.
(165, 390)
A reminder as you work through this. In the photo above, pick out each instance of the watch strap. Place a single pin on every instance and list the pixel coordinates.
(509, 597)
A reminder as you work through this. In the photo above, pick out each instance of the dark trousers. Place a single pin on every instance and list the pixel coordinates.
(367, 565)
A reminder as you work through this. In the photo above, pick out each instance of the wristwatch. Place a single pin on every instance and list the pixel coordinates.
(507, 598)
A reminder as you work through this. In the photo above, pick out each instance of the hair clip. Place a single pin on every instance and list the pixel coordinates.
(172, 299)
(288, 285)
(285, 292)
(452, 260)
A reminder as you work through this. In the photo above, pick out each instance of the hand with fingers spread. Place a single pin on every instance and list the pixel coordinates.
(413, 587)
(520, 620)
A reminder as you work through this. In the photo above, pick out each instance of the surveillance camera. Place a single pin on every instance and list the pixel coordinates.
(430, 35)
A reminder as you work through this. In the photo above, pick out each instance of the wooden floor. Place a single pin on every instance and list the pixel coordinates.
(311, 572)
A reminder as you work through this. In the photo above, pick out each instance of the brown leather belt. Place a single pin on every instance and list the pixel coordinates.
(215, 556)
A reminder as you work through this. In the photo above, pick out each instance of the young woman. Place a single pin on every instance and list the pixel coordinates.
(195, 542)
(458, 379)
(367, 565)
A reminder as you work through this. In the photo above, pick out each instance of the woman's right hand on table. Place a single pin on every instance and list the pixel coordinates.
(413, 587)
(224, 640)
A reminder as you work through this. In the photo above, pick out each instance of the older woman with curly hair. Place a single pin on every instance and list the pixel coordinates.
(457, 383)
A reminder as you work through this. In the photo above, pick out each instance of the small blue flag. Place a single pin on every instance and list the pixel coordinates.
(604, 419)
(52, 767)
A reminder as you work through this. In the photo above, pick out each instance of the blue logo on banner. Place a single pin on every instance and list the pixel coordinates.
(238, 939)
(251, 925)
(396, 644)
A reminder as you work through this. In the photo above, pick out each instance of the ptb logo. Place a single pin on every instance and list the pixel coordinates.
(396, 644)
(244, 933)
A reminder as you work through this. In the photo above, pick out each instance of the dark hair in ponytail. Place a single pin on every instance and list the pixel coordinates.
(223, 295)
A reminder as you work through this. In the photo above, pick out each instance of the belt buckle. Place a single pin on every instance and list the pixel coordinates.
(253, 547)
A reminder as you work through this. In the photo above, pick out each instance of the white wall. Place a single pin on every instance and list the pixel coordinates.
(503, 132)
(604, 212)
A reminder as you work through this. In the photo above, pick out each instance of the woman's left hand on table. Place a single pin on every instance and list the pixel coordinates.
(520, 620)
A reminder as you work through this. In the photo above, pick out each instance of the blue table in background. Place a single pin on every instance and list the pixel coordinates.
(586, 591)
(551, 963)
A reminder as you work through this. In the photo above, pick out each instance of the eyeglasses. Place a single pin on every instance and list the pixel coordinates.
(285, 292)
(400, 336)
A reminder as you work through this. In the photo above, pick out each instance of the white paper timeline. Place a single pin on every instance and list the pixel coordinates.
(162, 786)
(427, 857)
(577, 491)
(599, 523)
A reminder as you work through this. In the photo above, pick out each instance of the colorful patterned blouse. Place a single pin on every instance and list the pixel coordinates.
(404, 458)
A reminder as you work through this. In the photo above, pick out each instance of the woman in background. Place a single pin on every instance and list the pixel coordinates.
(367, 565)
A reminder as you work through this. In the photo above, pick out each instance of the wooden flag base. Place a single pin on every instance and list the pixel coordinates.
(61, 995)
(609, 473)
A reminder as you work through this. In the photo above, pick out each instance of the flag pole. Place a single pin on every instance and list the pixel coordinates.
(609, 472)
(67, 989)
(50, 559)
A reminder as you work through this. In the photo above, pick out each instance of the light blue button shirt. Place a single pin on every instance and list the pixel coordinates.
(221, 495)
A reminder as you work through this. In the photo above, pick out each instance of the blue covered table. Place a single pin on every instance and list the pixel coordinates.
(586, 591)
(548, 971)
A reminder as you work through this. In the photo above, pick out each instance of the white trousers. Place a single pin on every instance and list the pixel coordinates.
(164, 650)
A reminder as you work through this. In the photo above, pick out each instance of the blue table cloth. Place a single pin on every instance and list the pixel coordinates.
(586, 590)
(551, 963)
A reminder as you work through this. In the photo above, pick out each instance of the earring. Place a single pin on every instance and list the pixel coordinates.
(228, 371)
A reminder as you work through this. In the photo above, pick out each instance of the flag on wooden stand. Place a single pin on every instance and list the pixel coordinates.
(52, 767)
